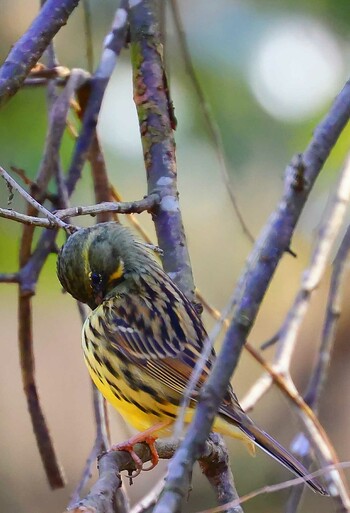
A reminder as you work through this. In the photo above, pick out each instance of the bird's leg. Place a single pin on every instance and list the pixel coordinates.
(149, 436)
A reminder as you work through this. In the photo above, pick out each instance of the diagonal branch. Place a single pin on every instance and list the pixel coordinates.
(29, 48)
(113, 45)
(269, 248)
(53, 220)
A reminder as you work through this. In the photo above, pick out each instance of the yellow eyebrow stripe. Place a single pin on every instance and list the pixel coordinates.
(118, 273)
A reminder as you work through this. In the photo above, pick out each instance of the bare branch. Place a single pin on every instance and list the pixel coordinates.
(146, 204)
(320, 372)
(311, 278)
(29, 48)
(88, 35)
(100, 499)
(51, 464)
(328, 231)
(105, 496)
(252, 286)
(51, 217)
(157, 121)
(34, 187)
(9, 278)
(319, 375)
(113, 45)
(274, 488)
(219, 474)
(31, 220)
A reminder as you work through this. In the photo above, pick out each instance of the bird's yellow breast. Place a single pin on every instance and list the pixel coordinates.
(137, 408)
(142, 409)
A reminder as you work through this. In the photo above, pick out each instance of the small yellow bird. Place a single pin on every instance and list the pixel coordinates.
(142, 339)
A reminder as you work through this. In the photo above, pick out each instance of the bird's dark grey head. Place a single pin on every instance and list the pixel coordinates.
(95, 260)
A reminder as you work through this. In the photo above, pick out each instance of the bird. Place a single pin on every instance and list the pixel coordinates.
(143, 338)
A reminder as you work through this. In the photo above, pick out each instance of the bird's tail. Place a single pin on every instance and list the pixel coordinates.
(279, 453)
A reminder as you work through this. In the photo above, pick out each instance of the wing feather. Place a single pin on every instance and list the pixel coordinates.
(157, 329)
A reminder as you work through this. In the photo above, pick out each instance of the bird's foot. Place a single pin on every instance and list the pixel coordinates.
(128, 446)
(149, 437)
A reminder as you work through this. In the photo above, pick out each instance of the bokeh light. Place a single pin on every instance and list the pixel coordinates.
(296, 67)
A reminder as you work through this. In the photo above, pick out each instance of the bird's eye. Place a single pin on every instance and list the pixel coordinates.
(95, 279)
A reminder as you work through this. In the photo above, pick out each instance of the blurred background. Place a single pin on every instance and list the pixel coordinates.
(270, 71)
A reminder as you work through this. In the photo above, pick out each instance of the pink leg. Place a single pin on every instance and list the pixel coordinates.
(149, 437)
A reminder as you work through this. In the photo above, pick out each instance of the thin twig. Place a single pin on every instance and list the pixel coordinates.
(198, 369)
(9, 278)
(33, 221)
(88, 35)
(48, 455)
(311, 278)
(138, 206)
(275, 488)
(113, 45)
(320, 372)
(101, 443)
(54, 220)
(34, 186)
(100, 179)
(146, 204)
(212, 126)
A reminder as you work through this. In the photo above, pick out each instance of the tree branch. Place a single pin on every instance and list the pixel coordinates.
(127, 207)
(29, 48)
(53, 220)
(268, 250)
(103, 493)
(113, 45)
(157, 121)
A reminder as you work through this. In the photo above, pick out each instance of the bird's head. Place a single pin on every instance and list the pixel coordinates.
(95, 260)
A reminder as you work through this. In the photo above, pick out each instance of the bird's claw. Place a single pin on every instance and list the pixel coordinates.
(128, 446)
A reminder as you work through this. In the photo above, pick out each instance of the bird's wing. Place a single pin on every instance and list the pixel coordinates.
(158, 330)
